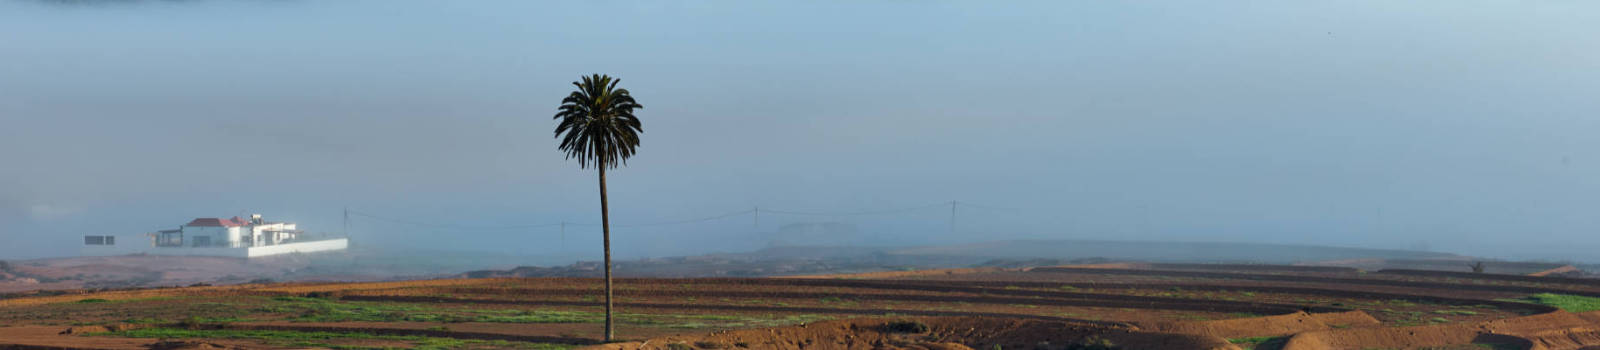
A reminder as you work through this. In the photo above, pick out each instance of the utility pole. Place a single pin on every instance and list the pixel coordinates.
(953, 217)
(757, 215)
(347, 222)
(563, 237)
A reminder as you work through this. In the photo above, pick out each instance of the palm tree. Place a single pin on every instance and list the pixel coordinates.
(598, 129)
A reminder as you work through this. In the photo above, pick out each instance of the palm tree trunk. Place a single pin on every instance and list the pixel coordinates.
(605, 227)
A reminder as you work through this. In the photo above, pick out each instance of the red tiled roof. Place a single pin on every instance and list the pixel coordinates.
(218, 222)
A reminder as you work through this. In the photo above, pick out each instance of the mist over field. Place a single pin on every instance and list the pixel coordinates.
(1465, 129)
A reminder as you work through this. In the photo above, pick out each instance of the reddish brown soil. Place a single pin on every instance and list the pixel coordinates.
(798, 293)
(1558, 330)
(1568, 269)
(941, 333)
(904, 274)
(1267, 325)
(1196, 307)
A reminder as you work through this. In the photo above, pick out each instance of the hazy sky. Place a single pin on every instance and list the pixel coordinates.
(1461, 126)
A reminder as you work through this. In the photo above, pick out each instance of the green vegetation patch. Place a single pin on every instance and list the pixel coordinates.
(324, 310)
(1249, 343)
(1405, 318)
(319, 339)
(1456, 312)
(1571, 303)
(1497, 346)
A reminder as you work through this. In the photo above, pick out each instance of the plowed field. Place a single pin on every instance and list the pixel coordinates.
(1127, 306)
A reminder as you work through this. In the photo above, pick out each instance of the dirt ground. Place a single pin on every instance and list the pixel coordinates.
(1127, 306)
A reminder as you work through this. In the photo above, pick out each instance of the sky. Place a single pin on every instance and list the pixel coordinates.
(1461, 126)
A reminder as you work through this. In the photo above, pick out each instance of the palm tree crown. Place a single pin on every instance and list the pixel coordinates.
(598, 122)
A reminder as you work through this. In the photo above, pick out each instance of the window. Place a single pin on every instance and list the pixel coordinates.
(202, 241)
(99, 240)
(170, 239)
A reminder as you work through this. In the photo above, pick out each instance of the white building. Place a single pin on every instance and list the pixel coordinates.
(232, 232)
(232, 237)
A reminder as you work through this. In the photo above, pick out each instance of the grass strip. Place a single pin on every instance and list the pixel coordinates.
(320, 338)
(327, 310)
(1571, 303)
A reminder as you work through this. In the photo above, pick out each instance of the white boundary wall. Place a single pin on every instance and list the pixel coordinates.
(298, 247)
(144, 247)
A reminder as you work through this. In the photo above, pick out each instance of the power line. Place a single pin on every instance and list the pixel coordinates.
(755, 212)
(990, 207)
(677, 222)
(563, 224)
(450, 226)
(858, 213)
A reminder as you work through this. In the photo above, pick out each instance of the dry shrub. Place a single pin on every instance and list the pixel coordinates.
(1094, 343)
(906, 327)
(192, 322)
(322, 295)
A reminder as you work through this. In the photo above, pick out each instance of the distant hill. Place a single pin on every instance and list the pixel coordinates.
(1461, 264)
(798, 260)
(1161, 251)
(371, 265)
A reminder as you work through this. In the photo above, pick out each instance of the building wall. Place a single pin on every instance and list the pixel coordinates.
(262, 238)
(220, 236)
(283, 237)
(142, 244)
(238, 236)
